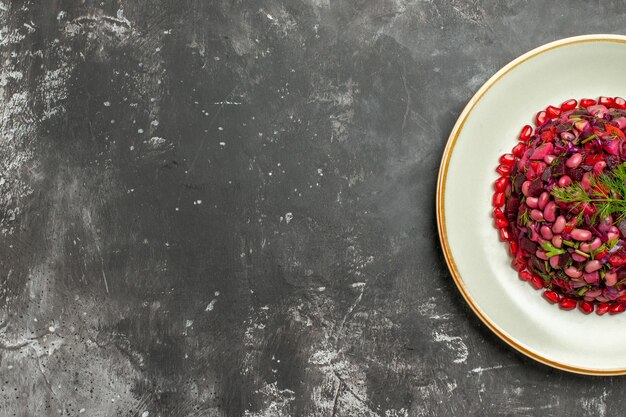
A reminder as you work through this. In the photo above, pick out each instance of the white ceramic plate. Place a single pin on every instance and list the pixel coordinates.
(478, 261)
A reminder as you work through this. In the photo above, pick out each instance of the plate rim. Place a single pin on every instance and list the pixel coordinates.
(440, 201)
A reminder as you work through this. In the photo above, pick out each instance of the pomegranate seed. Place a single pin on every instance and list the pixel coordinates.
(602, 308)
(586, 102)
(569, 105)
(513, 248)
(619, 103)
(498, 199)
(518, 263)
(507, 159)
(567, 303)
(500, 223)
(525, 276)
(606, 101)
(504, 170)
(536, 282)
(498, 214)
(525, 133)
(616, 308)
(553, 112)
(552, 296)
(500, 184)
(505, 235)
(541, 118)
(519, 150)
(585, 306)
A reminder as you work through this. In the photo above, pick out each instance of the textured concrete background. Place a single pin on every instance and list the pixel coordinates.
(226, 208)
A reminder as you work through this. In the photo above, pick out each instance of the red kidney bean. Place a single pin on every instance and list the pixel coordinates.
(525, 275)
(546, 232)
(581, 234)
(613, 229)
(549, 212)
(610, 278)
(532, 202)
(559, 225)
(592, 266)
(596, 243)
(585, 247)
(619, 103)
(568, 136)
(578, 258)
(541, 255)
(536, 215)
(543, 200)
(548, 159)
(582, 125)
(505, 235)
(574, 160)
(557, 241)
(573, 272)
(586, 181)
(598, 167)
(611, 236)
(564, 181)
(525, 188)
(554, 261)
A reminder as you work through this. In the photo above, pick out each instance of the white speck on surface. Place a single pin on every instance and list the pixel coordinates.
(211, 305)
(107, 104)
(288, 217)
(145, 414)
(222, 143)
(188, 323)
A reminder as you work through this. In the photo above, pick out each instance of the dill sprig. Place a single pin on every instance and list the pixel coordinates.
(607, 194)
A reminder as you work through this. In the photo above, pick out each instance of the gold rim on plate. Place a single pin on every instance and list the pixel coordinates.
(441, 185)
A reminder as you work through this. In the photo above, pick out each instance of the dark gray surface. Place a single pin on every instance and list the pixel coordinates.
(227, 208)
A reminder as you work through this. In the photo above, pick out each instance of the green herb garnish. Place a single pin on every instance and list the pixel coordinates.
(551, 250)
(607, 194)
